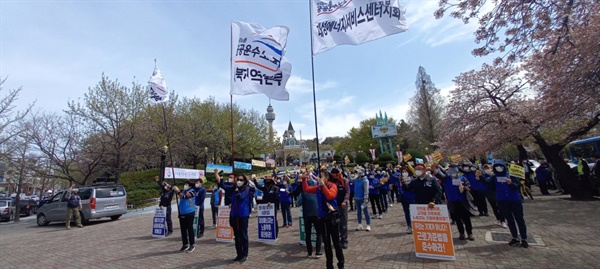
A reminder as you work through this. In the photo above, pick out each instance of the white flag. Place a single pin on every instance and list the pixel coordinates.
(257, 62)
(158, 87)
(353, 22)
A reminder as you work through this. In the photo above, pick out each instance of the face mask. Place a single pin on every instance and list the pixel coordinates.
(428, 172)
(489, 172)
(419, 173)
(186, 187)
(230, 180)
(499, 169)
(454, 175)
(473, 169)
(240, 183)
(379, 172)
(285, 183)
(466, 168)
(405, 174)
(166, 187)
(197, 185)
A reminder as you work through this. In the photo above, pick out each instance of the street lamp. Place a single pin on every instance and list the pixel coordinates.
(205, 158)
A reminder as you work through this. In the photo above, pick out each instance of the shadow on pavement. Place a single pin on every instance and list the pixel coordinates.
(209, 264)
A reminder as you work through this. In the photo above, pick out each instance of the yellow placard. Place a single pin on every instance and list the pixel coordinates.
(346, 159)
(407, 157)
(516, 170)
(437, 157)
(455, 158)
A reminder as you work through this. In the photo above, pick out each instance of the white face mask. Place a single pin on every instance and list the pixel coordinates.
(197, 185)
(419, 173)
(230, 180)
(466, 168)
(427, 172)
(473, 169)
(240, 183)
(405, 174)
(489, 172)
(166, 187)
(454, 175)
(499, 169)
(186, 187)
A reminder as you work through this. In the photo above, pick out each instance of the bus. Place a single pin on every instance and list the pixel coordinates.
(585, 148)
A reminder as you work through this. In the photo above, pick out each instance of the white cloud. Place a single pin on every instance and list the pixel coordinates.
(297, 84)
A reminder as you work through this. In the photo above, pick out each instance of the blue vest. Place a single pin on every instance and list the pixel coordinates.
(359, 187)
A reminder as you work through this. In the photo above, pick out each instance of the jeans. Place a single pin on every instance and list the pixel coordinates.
(360, 210)
(200, 228)
(513, 211)
(406, 207)
(186, 225)
(309, 222)
(343, 225)
(286, 213)
(330, 233)
(75, 213)
(240, 232)
(375, 200)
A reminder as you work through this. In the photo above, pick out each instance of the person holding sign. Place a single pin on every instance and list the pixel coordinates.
(407, 197)
(200, 197)
(165, 202)
(426, 188)
(238, 217)
(187, 210)
(456, 188)
(285, 193)
(510, 203)
(270, 196)
(328, 213)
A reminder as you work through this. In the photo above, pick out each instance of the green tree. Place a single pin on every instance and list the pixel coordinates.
(427, 108)
(362, 158)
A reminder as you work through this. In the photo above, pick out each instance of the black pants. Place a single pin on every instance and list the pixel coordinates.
(351, 200)
(331, 233)
(394, 195)
(491, 198)
(462, 216)
(240, 232)
(375, 201)
(200, 228)
(479, 197)
(215, 212)
(309, 222)
(169, 220)
(513, 211)
(543, 184)
(383, 196)
(186, 225)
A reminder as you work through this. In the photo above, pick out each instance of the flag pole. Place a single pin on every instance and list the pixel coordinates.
(312, 65)
(232, 141)
(231, 95)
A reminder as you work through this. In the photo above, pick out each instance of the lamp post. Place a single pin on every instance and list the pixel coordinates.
(205, 158)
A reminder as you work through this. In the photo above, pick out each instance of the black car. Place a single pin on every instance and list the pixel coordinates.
(27, 207)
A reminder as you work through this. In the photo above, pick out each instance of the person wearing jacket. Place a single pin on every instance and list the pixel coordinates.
(270, 196)
(238, 217)
(374, 195)
(477, 189)
(216, 200)
(227, 186)
(165, 202)
(361, 197)
(510, 203)
(326, 202)
(490, 192)
(200, 197)
(351, 180)
(384, 190)
(343, 195)
(187, 210)
(426, 188)
(543, 176)
(308, 202)
(285, 199)
(456, 188)
(406, 197)
(394, 186)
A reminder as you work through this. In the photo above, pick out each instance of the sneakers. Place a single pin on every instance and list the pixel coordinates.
(68, 228)
(462, 237)
(79, 226)
(168, 233)
(471, 238)
(237, 258)
(409, 230)
(184, 248)
(345, 245)
(359, 227)
(514, 242)
(243, 259)
(391, 205)
(499, 223)
(318, 255)
(524, 244)
(380, 216)
(368, 228)
(190, 249)
(503, 225)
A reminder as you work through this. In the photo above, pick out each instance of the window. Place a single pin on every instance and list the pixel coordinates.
(107, 192)
(57, 197)
(85, 194)
(3, 203)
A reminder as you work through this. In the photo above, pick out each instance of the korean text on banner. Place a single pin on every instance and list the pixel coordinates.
(313, 233)
(210, 168)
(182, 173)
(242, 165)
(431, 232)
(516, 170)
(407, 157)
(159, 223)
(158, 87)
(224, 230)
(437, 157)
(258, 65)
(266, 223)
(258, 163)
(354, 22)
(455, 158)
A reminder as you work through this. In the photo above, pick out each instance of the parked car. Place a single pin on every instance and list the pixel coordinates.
(98, 201)
(27, 207)
(7, 210)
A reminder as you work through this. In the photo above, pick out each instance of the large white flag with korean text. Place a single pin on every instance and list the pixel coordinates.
(353, 22)
(158, 87)
(257, 62)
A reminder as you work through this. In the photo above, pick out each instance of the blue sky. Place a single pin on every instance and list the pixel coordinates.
(55, 50)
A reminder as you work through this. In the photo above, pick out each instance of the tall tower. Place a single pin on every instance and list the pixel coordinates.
(270, 116)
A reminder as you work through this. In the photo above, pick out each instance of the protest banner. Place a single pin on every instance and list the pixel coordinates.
(455, 158)
(159, 223)
(227, 169)
(313, 233)
(437, 157)
(516, 170)
(196, 216)
(258, 163)
(266, 223)
(431, 232)
(407, 157)
(183, 173)
(242, 165)
(399, 155)
(224, 230)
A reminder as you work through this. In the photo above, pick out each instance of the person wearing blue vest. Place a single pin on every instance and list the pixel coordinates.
(216, 200)
(395, 185)
(361, 197)
(456, 188)
(238, 217)
(510, 203)
(406, 197)
(384, 189)
(308, 202)
(478, 189)
(326, 202)
(374, 195)
(285, 198)
(187, 210)
(490, 192)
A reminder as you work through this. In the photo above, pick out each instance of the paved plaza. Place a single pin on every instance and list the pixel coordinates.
(567, 233)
